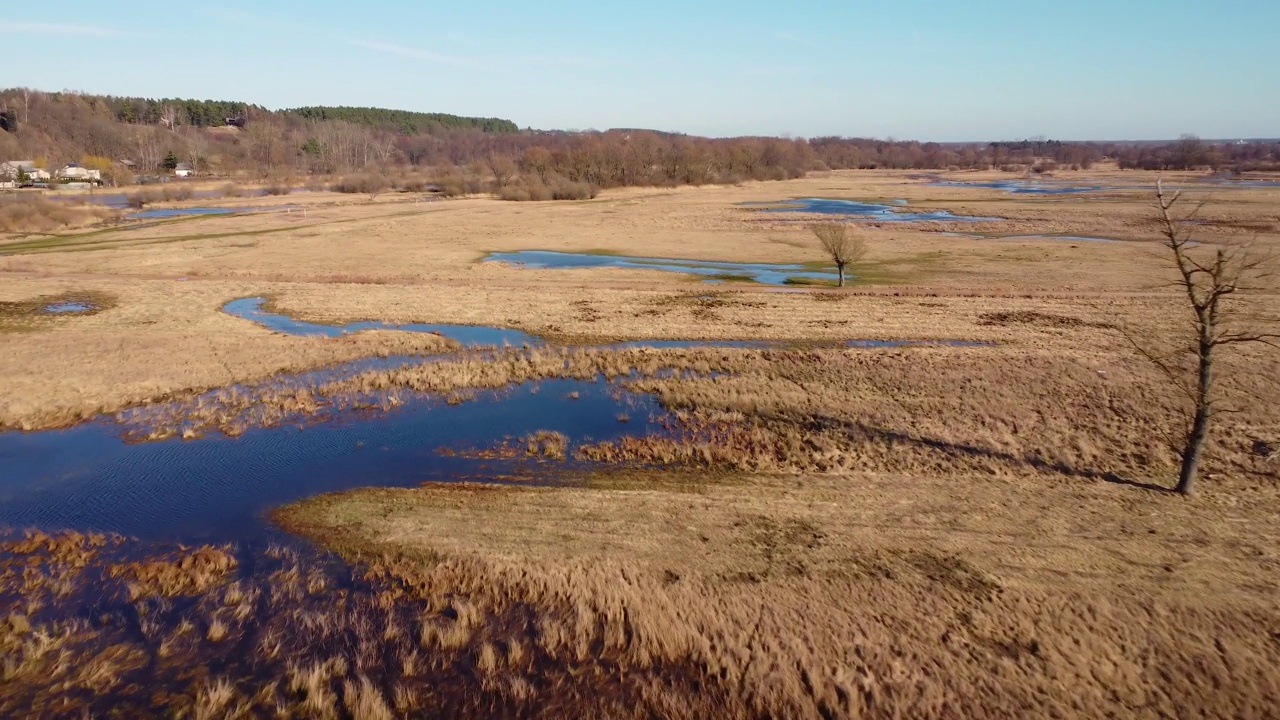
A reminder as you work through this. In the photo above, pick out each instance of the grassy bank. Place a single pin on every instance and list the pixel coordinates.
(853, 596)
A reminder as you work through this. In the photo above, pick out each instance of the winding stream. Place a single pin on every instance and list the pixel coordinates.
(217, 488)
(864, 211)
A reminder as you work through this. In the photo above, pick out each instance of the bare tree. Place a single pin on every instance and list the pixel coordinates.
(1213, 277)
(197, 148)
(503, 168)
(842, 246)
(170, 117)
(149, 150)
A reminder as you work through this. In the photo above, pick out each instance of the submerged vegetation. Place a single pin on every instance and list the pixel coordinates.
(43, 311)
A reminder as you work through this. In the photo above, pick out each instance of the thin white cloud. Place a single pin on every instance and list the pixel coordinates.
(39, 28)
(414, 53)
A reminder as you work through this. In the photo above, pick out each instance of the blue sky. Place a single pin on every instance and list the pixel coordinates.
(925, 69)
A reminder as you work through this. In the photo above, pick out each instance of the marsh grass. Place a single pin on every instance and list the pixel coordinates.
(26, 214)
(458, 650)
(32, 314)
(760, 587)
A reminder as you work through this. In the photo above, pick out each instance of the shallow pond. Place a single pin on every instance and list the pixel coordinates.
(69, 308)
(217, 488)
(764, 273)
(1031, 187)
(184, 212)
(872, 212)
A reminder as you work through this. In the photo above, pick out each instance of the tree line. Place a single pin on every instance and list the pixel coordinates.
(239, 139)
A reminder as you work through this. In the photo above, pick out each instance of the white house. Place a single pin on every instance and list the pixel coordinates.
(83, 174)
(184, 170)
(9, 170)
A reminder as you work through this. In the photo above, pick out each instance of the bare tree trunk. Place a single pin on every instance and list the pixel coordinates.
(840, 269)
(1200, 423)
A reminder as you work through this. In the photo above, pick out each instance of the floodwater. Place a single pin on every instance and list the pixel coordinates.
(184, 212)
(1063, 187)
(68, 308)
(873, 212)
(763, 273)
(216, 489)
(1030, 187)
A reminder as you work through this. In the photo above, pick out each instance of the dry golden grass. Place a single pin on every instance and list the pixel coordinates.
(374, 645)
(860, 595)
(28, 213)
(399, 260)
(927, 532)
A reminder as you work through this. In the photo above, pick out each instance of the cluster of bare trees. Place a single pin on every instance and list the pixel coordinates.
(65, 127)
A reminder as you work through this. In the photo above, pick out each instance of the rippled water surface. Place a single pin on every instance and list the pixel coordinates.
(68, 308)
(217, 488)
(184, 212)
(764, 273)
(873, 212)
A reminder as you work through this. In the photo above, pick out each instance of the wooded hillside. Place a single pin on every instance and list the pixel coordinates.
(237, 139)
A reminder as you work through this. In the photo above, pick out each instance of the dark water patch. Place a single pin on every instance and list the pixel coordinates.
(1062, 187)
(1032, 187)
(184, 212)
(871, 212)
(469, 336)
(40, 311)
(69, 307)
(216, 489)
(763, 273)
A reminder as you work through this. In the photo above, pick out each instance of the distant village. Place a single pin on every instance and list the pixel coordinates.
(29, 173)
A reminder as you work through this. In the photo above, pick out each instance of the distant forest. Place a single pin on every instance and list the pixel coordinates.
(237, 139)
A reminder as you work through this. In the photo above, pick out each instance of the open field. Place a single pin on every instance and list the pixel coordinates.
(400, 260)
(823, 532)
(878, 595)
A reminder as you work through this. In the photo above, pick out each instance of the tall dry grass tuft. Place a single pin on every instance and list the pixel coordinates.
(38, 214)
(364, 701)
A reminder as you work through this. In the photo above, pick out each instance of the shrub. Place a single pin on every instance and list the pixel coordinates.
(142, 198)
(569, 190)
(532, 188)
(369, 183)
(278, 188)
(414, 184)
